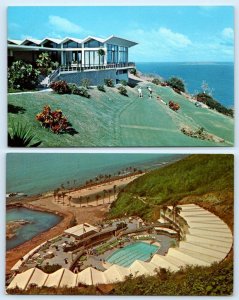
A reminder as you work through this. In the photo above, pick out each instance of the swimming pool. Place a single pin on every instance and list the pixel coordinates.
(127, 255)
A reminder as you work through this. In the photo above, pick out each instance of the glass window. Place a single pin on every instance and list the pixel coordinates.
(93, 44)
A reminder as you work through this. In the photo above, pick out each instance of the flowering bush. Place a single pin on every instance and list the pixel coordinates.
(54, 120)
(60, 87)
(22, 76)
(174, 106)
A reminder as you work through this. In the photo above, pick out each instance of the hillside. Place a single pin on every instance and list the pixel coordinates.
(111, 119)
(206, 180)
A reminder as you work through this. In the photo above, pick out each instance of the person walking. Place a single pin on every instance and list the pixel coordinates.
(140, 92)
(150, 92)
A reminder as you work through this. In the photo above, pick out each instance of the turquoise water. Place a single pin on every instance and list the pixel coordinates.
(40, 222)
(219, 76)
(127, 255)
(37, 173)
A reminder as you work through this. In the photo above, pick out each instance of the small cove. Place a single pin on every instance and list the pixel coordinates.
(39, 222)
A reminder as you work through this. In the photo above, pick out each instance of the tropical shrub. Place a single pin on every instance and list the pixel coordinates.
(44, 63)
(22, 76)
(50, 268)
(60, 87)
(122, 90)
(134, 72)
(213, 104)
(54, 120)
(109, 82)
(156, 81)
(85, 83)
(21, 136)
(173, 105)
(124, 82)
(176, 83)
(101, 88)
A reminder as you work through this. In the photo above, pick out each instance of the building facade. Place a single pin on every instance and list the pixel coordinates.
(77, 56)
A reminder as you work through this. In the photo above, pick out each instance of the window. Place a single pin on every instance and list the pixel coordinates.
(71, 44)
(112, 54)
(93, 44)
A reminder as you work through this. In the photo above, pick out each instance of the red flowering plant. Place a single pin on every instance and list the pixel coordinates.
(173, 105)
(54, 120)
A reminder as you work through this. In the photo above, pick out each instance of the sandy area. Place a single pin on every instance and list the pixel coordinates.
(90, 214)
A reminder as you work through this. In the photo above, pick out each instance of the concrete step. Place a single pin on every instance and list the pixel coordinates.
(209, 233)
(198, 255)
(208, 241)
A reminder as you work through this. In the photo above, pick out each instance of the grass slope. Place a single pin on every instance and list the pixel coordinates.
(110, 119)
(204, 179)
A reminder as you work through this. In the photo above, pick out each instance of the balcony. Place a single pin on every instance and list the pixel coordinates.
(82, 68)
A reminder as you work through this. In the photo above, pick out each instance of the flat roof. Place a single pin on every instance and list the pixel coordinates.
(81, 229)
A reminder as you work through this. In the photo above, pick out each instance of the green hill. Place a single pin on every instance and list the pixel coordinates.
(111, 119)
(203, 179)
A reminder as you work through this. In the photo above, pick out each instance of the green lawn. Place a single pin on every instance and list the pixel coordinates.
(110, 119)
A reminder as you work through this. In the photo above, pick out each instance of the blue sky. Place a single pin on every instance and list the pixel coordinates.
(176, 33)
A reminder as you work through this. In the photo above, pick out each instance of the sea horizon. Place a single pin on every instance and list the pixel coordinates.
(46, 169)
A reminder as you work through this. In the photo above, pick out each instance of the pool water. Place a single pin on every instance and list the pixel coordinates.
(127, 255)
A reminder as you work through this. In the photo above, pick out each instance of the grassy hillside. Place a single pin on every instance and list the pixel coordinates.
(111, 119)
(203, 179)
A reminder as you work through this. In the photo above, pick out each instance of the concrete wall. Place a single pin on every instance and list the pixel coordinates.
(95, 77)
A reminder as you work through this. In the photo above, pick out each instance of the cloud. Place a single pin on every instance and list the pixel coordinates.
(178, 40)
(228, 33)
(164, 44)
(64, 25)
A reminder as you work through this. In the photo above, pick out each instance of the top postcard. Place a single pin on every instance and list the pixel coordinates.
(126, 76)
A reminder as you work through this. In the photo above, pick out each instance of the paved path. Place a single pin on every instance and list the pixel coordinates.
(208, 240)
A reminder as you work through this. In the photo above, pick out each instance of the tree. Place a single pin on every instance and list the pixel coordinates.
(114, 190)
(97, 197)
(44, 63)
(87, 200)
(104, 192)
(109, 192)
(101, 52)
(22, 76)
(176, 83)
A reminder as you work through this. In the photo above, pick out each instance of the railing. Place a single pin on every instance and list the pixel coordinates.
(81, 68)
(54, 75)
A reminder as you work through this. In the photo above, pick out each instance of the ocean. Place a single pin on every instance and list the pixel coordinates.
(219, 77)
(36, 173)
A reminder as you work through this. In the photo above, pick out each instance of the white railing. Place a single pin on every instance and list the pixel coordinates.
(81, 68)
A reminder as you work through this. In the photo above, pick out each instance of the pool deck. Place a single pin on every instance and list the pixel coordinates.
(208, 240)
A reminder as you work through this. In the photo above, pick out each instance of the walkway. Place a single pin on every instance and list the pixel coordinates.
(209, 240)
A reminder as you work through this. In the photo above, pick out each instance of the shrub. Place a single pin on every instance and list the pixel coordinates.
(22, 76)
(134, 72)
(156, 81)
(173, 105)
(124, 82)
(213, 104)
(54, 120)
(176, 83)
(85, 83)
(60, 87)
(50, 268)
(79, 90)
(109, 82)
(101, 88)
(122, 90)
(21, 136)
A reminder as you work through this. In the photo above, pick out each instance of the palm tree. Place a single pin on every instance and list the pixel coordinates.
(164, 208)
(87, 200)
(114, 190)
(97, 197)
(104, 192)
(109, 192)
(101, 52)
